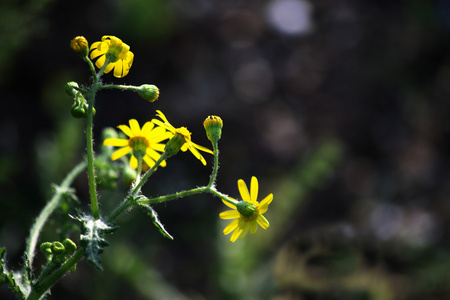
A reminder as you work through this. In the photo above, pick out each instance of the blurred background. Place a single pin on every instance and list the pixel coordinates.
(340, 109)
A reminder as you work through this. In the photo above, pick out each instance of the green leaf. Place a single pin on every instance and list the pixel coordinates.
(3, 273)
(152, 213)
(15, 279)
(92, 238)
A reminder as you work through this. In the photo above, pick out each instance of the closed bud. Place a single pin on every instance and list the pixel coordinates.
(213, 126)
(78, 111)
(46, 248)
(71, 88)
(80, 46)
(58, 248)
(69, 246)
(148, 92)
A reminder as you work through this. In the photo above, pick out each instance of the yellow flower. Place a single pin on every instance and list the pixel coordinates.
(118, 53)
(188, 144)
(143, 143)
(248, 213)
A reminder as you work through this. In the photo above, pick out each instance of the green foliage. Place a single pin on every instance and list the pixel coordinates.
(152, 213)
(92, 238)
(19, 283)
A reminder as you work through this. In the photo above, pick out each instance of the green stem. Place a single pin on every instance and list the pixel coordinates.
(48, 210)
(131, 196)
(216, 165)
(144, 178)
(90, 140)
(90, 153)
(120, 87)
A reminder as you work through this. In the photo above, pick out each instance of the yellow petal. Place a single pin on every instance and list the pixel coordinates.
(134, 125)
(115, 142)
(254, 227)
(150, 162)
(243, 190)
(100, 61)
(229, 204)
(254, 190)
(197, 155)
(245, 230)
(109, 68)
(96, 53)
(156, 131)
(262, 221)
(229, 214)
(153, 154)
(235, 234)
(121, 152)
(232, 226)
(162, 116)
(95, 45)
(118, 67)
(147, 128)
(126, 130)
(133, 162)
(264, 204)
(201, 148)
(158, 147)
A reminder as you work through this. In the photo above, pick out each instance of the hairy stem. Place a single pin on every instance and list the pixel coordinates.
(48, 210)
(90, 140)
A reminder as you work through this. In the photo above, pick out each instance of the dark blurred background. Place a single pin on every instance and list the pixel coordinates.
(340, 108)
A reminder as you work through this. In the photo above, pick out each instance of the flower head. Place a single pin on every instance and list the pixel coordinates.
(182, 131)
(80, 46)
(247, 213)
(112, 50)
(142, 143)
(213, 126)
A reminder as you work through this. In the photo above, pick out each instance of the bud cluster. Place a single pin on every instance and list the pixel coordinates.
(79, 106)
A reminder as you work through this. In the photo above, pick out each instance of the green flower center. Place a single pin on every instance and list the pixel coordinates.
(139, 145)
(248, 211)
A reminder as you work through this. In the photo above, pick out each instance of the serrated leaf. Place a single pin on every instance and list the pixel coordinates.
(12, 278)
(92, 239)
(152, 213)
(3, 272)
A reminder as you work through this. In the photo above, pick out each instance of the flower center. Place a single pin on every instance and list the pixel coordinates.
(139, 144)
(248, 211)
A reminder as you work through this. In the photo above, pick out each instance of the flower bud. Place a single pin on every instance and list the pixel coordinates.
(69, 246)
(213, 126)
(77, 111)
(71, 88)
(80, 46)
(148, 92)
(46, 248)
(58, 248)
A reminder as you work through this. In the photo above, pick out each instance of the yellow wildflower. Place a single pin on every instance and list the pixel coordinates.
(143, 143)
(247, 213)
(183, 131)
(119, 56)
